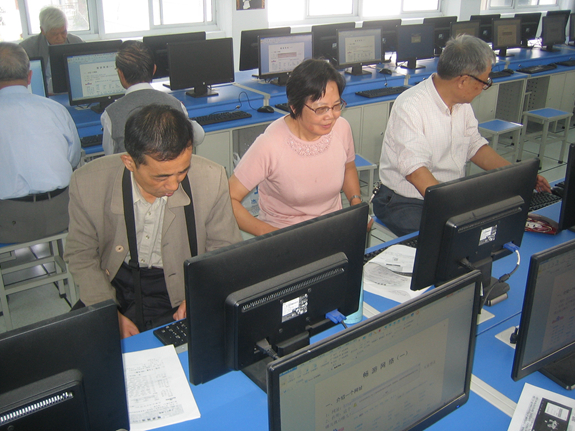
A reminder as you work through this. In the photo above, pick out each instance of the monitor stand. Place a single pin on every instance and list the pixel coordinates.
(503, 53)
(99, 108)
(257, 373)
(201, 91)
(356, 70)
(495, 290)
(549, 48)
(412, 64)
(562, 372)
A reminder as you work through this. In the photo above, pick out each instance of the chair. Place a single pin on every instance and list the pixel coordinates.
(62, 275)
(363, 165)
(494, 128)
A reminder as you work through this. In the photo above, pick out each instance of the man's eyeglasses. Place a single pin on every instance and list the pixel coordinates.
(486, 84)
(324, 109)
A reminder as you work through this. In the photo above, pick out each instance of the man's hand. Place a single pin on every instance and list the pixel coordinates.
(542, 185)
(181, 313)
(127, 327)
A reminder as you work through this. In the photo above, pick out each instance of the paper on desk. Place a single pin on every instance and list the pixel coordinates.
(539, 409)
(158, 392)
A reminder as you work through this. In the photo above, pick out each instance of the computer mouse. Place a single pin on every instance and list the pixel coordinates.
(385, 71)
(558, 191)
(266, 109)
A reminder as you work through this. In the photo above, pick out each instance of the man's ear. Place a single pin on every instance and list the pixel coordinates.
(29, 77)
(128, 162)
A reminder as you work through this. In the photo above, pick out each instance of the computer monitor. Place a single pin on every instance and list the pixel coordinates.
(553, 32)
(442, 30)
(414, 42)
(158, 46)
(38, 82)
(58, 64)
(92, 78)
(572, 28)
(64, 373)
(200, 65)
(466, 222)
(485, 25)
(325, 40)
(400, 370)
(465, 27)
(249, 54)
(529, 26)
(357, 48)
(272, 289)
(506, 34)
(564, 13)
(280, 55)
(388, 34)
(546, 337)
(567, 214)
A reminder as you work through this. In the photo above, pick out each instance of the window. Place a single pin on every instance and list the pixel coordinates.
(515, 4)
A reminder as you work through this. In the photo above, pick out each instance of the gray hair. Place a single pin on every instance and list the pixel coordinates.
(14, 62)
(464, 55)
(51, 17)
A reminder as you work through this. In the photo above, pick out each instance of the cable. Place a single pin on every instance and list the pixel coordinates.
(240, 100)
(336, 317)
(265, 347)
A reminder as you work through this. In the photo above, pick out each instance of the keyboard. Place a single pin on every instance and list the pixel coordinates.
(175, 333)
(501, 73)
(91, 141)
(538, 68)
(568, 63)
(380, 92)
(282, 106)
(221, 117)
(410, 242)
(541, 200)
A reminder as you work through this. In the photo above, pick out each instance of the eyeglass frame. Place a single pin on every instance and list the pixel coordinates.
(342, 105)
(486, 85)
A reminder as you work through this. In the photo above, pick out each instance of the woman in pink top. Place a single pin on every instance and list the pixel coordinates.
(303, 160)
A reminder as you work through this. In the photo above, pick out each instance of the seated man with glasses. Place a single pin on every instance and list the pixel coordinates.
(432, 133)
(303, 160)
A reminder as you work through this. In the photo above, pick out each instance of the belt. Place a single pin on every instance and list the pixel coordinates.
(40, 196)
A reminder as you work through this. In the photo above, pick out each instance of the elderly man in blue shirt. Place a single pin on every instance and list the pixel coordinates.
(39, 148)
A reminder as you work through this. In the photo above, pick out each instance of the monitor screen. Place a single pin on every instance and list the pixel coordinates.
(64, 373)
(388, 34)
(414, 42)
(158, 45)
(472, 218)
(465, 27)
(564, 13)
(399, 370)
(280, 55)
(92, 78)
(58, 63)
(529, 26)
(273, 289)
(442, 30)
(485, 25)
(249, 55)
(357, 47)
(506, 34)
(546, 338)
(325, 40)
(38, 83)
(553, 32)
(567, 215)
(201, 64)
(572, 28)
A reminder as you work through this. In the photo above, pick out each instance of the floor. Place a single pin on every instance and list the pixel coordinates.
(44, 302)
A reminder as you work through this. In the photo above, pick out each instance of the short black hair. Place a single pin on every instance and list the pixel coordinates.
(136, 61)
(158, 131)
(308, 81)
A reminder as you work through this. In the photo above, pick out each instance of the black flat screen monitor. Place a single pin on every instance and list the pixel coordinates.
(553, 32)
(92, 78)
(506, 34)
(38, 81)
(400, 370)
(465, 27)
(414, 42)
(442, 30)
(472, 218)
(64, 373)
(58, 63)
(485, 25)
(388, 34)
(572, 28)
(567, 215)
(546, 338)
(249, 55)
(529, 26)
(158, 46)
(199, 65)
(325, 40)
(276, 289)
(280, 55)
(564, 13)
(358, 47)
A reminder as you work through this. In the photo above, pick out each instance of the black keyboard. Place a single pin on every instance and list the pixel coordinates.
(541, 200)
(221, 117)
(537, 69)
(568, 63)
(380, 92)
(282, 106)
(501, 73)
(175, 333)
(91, 141)
(410, 242)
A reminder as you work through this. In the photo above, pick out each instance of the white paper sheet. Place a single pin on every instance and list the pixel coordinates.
(158, 392)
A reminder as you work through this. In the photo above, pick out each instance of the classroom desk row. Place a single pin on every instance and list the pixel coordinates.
(233, 401)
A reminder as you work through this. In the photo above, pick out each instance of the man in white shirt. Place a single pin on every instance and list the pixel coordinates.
(432, 133)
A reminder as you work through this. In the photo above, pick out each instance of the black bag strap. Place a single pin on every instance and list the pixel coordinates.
(190, 218)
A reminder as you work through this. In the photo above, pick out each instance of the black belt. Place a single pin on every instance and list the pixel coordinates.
(40, 196)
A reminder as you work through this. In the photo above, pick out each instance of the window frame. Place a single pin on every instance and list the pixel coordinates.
(516, 8)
